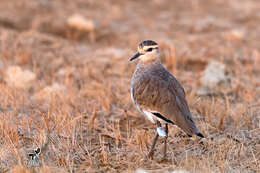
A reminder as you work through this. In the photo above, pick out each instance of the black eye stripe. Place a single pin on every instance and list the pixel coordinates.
(149, 50)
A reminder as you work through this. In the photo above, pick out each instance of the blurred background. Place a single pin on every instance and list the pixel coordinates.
(65, 76)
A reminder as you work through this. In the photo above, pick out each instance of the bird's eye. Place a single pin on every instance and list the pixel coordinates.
(149, 50)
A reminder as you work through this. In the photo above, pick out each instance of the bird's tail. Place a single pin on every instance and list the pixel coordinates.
(200, 135)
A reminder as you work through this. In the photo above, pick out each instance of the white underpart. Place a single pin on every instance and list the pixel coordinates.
(161, 132)
(149, 115)
(132, 95)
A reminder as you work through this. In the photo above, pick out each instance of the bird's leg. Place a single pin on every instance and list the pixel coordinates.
(150, 153)
(165, 141)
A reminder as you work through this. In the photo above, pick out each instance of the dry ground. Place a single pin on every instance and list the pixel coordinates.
(84, 120)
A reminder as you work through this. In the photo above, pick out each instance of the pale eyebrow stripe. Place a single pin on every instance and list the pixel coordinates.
(147, 47)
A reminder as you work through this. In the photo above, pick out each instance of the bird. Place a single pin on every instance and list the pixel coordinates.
(159, 96)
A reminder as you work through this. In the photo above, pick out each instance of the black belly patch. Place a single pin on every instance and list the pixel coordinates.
(162, 117)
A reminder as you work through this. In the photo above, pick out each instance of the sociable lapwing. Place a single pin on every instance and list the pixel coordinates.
(158, 95)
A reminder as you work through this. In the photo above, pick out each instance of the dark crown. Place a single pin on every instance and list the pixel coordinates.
(147, 43)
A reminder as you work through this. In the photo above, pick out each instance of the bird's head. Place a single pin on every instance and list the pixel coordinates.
(147, 51)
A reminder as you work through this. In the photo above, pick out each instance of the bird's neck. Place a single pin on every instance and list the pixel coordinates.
(142, 65)
(149, 59)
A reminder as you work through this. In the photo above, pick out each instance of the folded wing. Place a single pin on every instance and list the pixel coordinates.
(161, 93)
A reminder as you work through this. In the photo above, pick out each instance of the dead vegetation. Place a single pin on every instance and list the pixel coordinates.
(77, 106)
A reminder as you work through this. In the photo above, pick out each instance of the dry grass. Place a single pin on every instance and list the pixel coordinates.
(90, 125)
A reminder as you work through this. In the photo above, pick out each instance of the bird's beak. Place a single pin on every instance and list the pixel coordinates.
(135, 56)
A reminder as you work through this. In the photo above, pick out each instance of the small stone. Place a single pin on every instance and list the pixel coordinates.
(235, 35)
(205, 91)
(54, 88)
(62, 72)
(19, 78)
(180, 171)
(49, 91)
(213, 74)
(139, 170)
(115, 52)
(66, 71)
(79, 22)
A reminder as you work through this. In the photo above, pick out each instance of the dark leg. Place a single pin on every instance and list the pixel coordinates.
(150, 153)
(165, 141)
